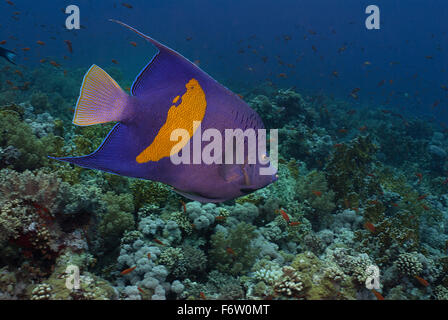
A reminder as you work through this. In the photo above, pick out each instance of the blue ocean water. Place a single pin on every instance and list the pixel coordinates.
(363, 154)
(220, 30)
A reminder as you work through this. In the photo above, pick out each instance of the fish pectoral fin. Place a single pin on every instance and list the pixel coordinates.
(101, 99)
(196, 196)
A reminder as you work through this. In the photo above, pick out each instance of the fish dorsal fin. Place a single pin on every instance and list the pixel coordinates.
(165, 68)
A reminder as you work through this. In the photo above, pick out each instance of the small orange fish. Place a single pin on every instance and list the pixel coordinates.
(422, 281)
(220, 218)
(363, 128)
(69, 45)
(337, 145)
(202, 295)
(342, 130)
(378, 295)
(114, 61)
(183, 206)
(40, 43)
(424, 206)
(158, 241)
(317, 193)
(149, 256)
(55, 64)
(141, 290)
(394, 204)
(26, 49)
(423, 196)
(3, 42)
(419, 175)
(127, 5)
(294, 223)
(129, 270)
(133, 43)
(369, 226)
(10, 2)
(42, 60)
(367, 63)
(230, 251)
(282, 75)
(284, 215)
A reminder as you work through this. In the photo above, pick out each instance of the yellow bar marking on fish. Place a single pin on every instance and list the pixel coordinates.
(176, 99)
(191, 109)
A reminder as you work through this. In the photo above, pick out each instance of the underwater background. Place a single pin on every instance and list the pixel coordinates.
(363, 154)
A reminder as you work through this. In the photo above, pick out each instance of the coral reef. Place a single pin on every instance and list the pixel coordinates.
(356, 190)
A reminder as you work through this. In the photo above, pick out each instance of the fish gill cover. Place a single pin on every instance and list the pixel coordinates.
(355, 101)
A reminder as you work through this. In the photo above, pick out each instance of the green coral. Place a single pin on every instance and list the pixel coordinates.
(182, 221)
(349, 166)
(39, 101)
(150, 192)
(173, 260)
(88, 139)
(117, 219)
(32, 151)
(318, 282)
(233, 253)
(314, 190)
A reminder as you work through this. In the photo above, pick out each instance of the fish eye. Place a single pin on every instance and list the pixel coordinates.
(264, 158)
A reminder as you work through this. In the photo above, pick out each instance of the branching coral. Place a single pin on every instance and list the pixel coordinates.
(348, 168)
(233, 253)
(313, 189)
(149, 192)
(290, 283)
(409, 264)
(117, 218)
(31, 152)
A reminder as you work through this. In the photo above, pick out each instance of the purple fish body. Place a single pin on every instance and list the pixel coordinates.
(169, 79)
